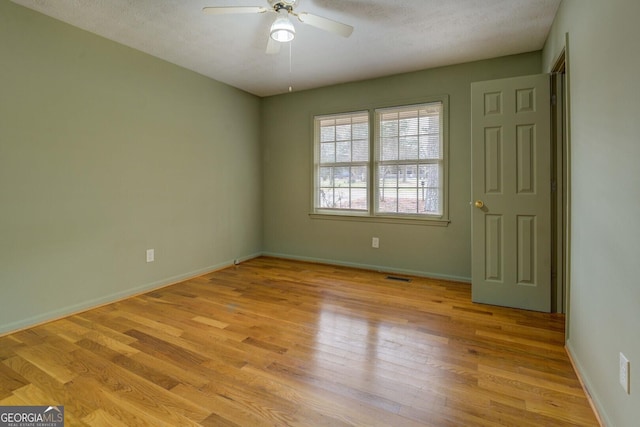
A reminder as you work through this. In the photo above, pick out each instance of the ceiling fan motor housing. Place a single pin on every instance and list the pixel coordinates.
(283, 4)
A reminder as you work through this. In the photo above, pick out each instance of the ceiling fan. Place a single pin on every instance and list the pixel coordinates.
(282, 29)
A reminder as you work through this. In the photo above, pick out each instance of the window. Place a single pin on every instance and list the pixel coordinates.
(398, 172)
(342, 162)
(409, 161)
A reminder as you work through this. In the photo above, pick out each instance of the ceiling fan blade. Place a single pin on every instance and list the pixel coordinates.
(233, 10)
(273, 47)
(326, 24)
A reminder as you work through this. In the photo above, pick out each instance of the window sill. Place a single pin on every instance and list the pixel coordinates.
(382, 219)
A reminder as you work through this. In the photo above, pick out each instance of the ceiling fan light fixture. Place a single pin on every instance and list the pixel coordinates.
(282, 30)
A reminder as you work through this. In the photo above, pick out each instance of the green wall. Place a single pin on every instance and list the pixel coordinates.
(106, 152)
(418, 249)
(604, 304)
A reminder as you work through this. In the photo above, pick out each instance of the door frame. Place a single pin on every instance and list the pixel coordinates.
(558, 179)
(561, 175)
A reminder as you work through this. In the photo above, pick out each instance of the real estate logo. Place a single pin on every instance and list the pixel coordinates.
(31, 416)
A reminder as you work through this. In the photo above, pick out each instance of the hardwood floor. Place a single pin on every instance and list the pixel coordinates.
(276, 342)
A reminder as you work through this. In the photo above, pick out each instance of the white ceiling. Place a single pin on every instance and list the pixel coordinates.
(390, 36)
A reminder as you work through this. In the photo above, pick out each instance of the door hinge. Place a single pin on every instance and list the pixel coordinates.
(554, 99)
(554, 187)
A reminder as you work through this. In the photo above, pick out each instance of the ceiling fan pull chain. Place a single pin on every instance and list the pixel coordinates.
(290, 73)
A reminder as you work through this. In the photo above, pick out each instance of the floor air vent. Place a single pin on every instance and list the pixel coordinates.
(398, 279)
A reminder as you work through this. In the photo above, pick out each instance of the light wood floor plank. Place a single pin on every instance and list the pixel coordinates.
(278, 342)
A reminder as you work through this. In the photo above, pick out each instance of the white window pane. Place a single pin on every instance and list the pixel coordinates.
(409, 126)
(408, 176)
(389, 149)
(387, 200)
(432, 175)
(408, 147)
(430, 147)
(430, 123)
(359, 198)
(360, 151)
(325, 176)
(410, 113)
(389, 116)
(359, 176)
(388, 128)
(388, 176)
(360, 130)
(327, 152)
(326, 197)
(341, 176)
(432, 203)
(343, 132)
(327, 133)
(343, 151)
(407, 200)
(341, 198)
(343, 120)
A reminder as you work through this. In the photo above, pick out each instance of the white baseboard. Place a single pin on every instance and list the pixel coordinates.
(598, 410)
(117, 296)
(371, 267)
(128, 293)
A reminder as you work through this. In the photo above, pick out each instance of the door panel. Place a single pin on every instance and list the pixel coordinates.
(525, 152)
(493, 248)
(493, 160)
(526, 250)
(510, 151)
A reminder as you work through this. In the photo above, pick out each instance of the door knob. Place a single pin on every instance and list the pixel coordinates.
(479, 204)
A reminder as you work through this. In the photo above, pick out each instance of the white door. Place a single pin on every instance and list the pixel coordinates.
(511, 191)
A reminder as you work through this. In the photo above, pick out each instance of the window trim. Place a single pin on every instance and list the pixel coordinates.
(370, 215)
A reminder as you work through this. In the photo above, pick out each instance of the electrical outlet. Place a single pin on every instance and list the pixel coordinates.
(150, 255)
(375, 242)
(625, 367)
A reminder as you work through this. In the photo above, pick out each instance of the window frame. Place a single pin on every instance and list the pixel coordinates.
(370, 215)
